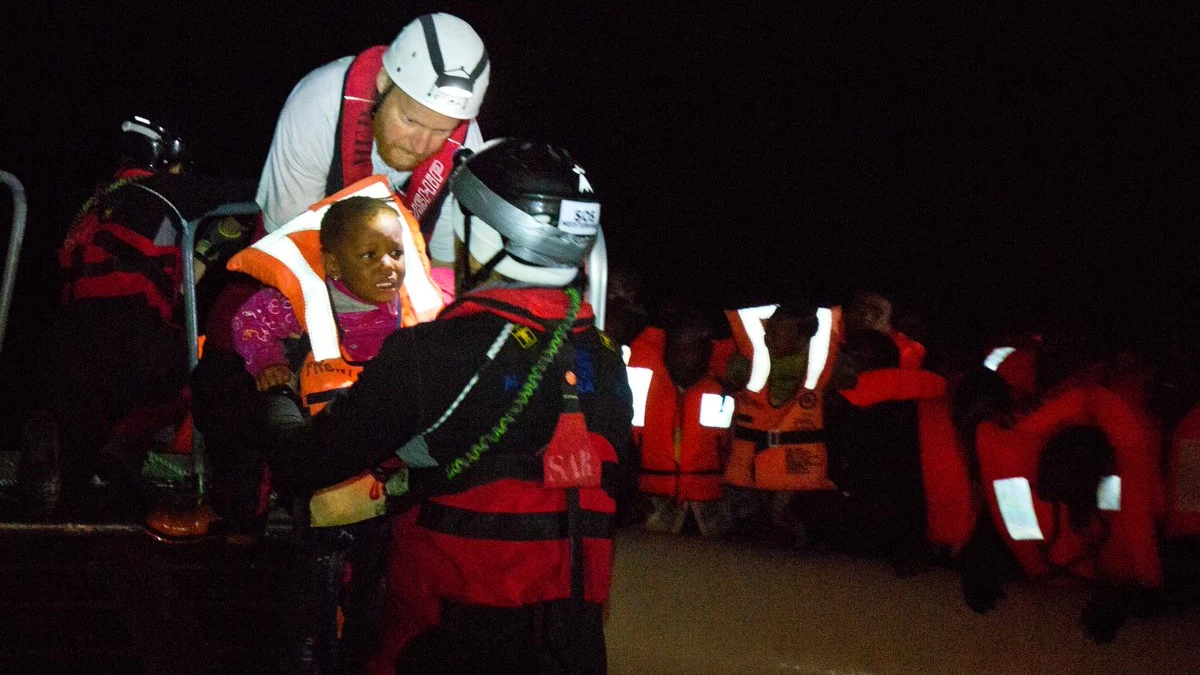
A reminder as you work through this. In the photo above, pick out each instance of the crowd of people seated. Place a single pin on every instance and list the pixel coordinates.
(1059, 454)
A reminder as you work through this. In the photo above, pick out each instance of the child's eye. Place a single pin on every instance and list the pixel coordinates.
(398, 253)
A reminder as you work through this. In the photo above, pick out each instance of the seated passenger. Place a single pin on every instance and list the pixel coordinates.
(874, 452)
(683, 432)
(778, 447)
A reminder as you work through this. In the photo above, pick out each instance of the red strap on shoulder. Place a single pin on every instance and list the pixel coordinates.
(358, 98)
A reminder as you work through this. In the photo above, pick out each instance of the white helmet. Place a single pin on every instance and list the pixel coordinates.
(440, 61)
(532, 214)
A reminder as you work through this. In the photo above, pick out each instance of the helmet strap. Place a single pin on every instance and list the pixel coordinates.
(468, 279)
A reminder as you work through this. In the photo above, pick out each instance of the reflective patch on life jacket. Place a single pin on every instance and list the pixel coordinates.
(760, 360)
(639, 384)
(1015, 500)
(818, 347)
(318, 309)
(1108, 494)
(997, 356)
(716, 411)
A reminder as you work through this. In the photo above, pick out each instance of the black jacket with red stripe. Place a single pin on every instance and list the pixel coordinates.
(421, 370)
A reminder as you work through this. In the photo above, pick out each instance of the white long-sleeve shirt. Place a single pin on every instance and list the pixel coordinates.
(297, 168)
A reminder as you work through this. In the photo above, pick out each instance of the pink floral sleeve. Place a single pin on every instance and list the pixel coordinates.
(260, 326)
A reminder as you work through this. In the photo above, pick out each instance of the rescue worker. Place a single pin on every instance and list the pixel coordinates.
(510, 412)
(117, 346)
(401, 110)
(780, 373)
(682, 428)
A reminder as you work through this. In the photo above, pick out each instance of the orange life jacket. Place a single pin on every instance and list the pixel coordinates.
(951, 508)
(1123, 546)
(912, 353)
(320, 381)
(950, 504)
(1183, 478)
(682, 431)
(289, 259)
(781, 448)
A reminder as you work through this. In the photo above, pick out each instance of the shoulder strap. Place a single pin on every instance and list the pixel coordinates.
(353, 137)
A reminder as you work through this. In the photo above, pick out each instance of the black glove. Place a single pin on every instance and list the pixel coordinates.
(981, 592)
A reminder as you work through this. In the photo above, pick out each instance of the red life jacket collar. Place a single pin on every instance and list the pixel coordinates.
(532, 307)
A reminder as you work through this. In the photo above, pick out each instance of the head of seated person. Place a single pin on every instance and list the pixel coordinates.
(362, 247)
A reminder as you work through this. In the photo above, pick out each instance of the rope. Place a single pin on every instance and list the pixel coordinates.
(486, 441)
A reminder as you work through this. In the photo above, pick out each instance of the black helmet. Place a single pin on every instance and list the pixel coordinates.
(532, 214)
(150, 144)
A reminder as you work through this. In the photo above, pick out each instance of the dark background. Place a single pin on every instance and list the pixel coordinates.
(986, 168)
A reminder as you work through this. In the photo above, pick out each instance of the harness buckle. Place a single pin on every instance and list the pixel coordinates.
(773, 438)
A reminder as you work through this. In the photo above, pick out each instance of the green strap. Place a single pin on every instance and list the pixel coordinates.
(94, 199)
(486, 441)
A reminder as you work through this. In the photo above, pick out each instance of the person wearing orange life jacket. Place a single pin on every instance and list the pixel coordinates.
(681, 426)
(365, 244)
(784, 361)
(874, 456)
(401, 110)
(117, 346)
(1074, 490)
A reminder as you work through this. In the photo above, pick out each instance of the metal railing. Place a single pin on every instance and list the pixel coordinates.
(14, 248)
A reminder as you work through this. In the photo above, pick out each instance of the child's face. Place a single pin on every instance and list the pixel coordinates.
(370, 259)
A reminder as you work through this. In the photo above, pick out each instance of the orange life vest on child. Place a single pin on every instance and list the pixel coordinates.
(781, 448)
(681, 432)
(1130, 501)
(289, 259)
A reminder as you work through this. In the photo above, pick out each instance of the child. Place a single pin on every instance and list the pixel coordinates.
(362, 252)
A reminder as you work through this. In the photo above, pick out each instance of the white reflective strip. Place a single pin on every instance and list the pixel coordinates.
(423, 294)
(1108, 494)
(716, 411)
(1016, 508)
(626, 353)
(760, 360)
(318, 312)
(639, 384)
(994, 359)
(818, 347)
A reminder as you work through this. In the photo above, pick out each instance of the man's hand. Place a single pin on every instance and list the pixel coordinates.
(275, 376)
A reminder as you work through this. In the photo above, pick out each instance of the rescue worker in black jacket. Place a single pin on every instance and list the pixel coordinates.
(509, 414)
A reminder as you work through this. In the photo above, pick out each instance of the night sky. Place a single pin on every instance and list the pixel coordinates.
(983, 167)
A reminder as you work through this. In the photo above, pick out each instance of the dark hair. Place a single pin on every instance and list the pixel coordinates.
(870, 349)
(346, 214)
(1070, 468)
(804, 316)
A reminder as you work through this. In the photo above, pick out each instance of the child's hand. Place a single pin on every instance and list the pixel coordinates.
(275, 376)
